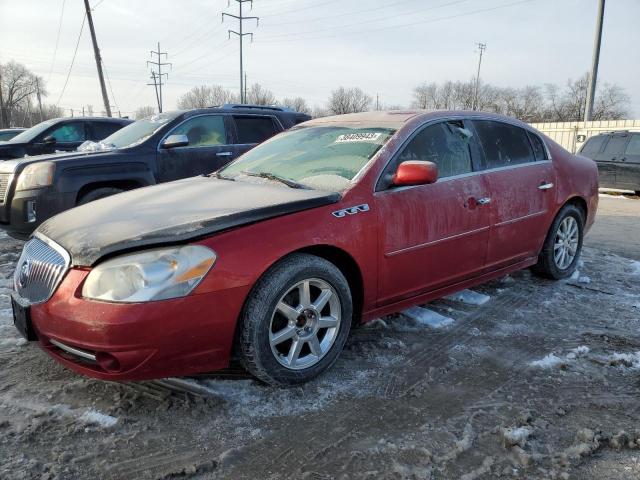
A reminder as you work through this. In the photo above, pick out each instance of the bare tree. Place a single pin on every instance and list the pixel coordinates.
(144, 112)
(298, 104)
(258, 95)
(206, 96)
(348, 100)
(18, 86)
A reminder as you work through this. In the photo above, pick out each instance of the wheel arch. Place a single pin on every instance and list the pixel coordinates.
(124, 184)
(579, 202)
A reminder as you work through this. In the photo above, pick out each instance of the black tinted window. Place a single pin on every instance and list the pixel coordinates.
(503, 144)
(616, 144)
(593, 145)
(101, 130)
(445, 144)
(538, 147)
(633, 148)
(254, 129)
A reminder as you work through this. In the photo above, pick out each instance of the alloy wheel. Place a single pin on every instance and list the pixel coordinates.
(566, 242)
(305, 324)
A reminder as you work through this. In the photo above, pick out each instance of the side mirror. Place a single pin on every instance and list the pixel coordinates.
(173, 141)
(415, 172)
(49, 140)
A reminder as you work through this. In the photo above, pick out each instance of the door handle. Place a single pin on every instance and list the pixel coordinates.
(484, 201)
(545, 186)
(223, 154)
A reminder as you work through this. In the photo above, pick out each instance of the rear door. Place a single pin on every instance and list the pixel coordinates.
(628, 168)
(254, 129)
(433, 235)
(521, 180)
(210, 147)
(68, 136)
(101, 130)
(609, 158)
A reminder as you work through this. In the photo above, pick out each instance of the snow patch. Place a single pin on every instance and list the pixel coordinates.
(628, 360)
(516, 436)
(95, 417)
(553, 360)
(427, 317)
(635, 268)
(469, 297)
(584, 279)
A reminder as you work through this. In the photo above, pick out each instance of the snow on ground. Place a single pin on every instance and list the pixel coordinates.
(425, 316)
(635, 268)
(469, 297)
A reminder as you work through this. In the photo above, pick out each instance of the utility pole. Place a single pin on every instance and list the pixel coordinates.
(96, 52)
(593, 77)
(3, 113)
(377, 101)
(39, 98)
(245, 86)
(157, 76)
(482, 47)
(241, 36)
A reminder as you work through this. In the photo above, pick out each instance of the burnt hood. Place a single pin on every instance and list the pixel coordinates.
(172, 212)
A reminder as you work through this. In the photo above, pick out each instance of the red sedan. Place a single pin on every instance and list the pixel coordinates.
(274, 257)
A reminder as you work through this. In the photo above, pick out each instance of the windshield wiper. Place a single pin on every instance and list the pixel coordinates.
(220, 176)
(271, 176)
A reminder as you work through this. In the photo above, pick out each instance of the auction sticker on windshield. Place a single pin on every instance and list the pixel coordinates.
(358, 137)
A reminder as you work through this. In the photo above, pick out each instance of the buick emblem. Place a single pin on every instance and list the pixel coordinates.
(23, 276)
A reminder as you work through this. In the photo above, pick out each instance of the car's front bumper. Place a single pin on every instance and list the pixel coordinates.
(140, 341)
(25, 210)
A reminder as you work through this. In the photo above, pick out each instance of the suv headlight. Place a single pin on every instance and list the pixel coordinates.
(152, 275)
(36, 175)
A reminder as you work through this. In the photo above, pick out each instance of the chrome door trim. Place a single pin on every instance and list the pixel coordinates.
(435, 242)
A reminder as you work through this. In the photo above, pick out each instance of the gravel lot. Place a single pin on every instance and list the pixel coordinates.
(541, 381)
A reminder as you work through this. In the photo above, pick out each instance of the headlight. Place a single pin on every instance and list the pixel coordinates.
(152, 275)
(36, 175)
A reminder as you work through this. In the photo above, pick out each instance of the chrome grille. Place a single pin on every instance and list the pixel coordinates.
(40, 269)
(5, 180)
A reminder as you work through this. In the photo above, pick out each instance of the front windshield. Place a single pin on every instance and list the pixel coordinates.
(137, 132)
(322, 157)
(32, 132)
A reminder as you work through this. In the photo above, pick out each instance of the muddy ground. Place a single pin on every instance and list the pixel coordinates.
(541, 381)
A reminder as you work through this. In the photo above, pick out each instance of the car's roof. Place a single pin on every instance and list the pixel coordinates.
(13, 129)
(397, 118)
(242, 109)
(93, 119)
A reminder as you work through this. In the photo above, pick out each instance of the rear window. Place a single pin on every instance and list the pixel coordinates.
(254, 129)
(102, 130)
(538, 147)
(633, 148)
(593, 145)
(504, 145)
(616, 144)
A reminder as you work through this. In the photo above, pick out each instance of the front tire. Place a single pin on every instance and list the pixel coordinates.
(296, 320)
(562, 247)
(98, 193)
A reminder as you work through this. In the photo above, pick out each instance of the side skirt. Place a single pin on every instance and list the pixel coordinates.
(444, 291)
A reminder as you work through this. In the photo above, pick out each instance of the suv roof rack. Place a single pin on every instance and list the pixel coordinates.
(260, 107)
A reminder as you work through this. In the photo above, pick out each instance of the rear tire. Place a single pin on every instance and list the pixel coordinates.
(296, 320)
(561, 249)
(98, 193)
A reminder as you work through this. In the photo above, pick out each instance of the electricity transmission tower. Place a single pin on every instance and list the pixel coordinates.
(481, 47)
(156, 76)
(241, 35)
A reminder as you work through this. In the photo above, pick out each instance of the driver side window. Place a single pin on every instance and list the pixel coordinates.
(446, 144)
(203, 131)
(69, 132)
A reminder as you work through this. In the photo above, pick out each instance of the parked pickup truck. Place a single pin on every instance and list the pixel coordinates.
(59, 134)
(165, 147)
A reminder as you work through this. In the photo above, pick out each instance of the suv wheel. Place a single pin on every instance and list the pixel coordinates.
(98, 193)
(295, 321)
(561, 250)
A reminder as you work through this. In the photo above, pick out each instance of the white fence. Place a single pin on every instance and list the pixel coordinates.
(572, 135)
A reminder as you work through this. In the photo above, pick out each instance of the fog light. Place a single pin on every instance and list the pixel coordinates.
(108, 362)
(31, 211)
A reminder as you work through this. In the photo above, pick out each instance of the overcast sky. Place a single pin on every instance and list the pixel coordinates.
(308, 47)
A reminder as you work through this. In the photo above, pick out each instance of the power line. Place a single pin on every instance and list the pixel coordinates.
(113, 95)
(241, 36)
(84, 19)
(55, 50)
(157, 76)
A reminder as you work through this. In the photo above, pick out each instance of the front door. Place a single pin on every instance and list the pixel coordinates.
(521, 179)
(209, 149)
(433, 235)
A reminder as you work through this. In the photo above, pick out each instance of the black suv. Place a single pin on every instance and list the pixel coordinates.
(161, 148)
(618, 157)
(59, 134)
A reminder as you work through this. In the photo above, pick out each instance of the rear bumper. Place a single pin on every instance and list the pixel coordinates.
(29, 208)
(142, 341)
